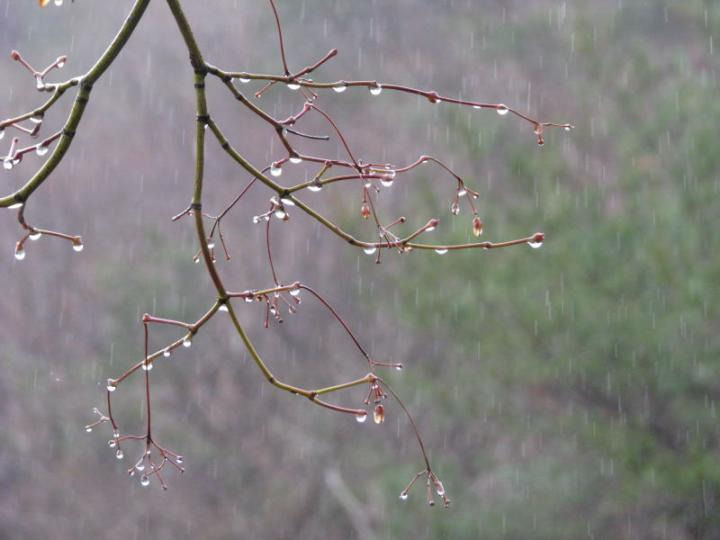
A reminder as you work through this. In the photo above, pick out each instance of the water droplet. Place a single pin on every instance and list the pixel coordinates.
(386, 181)
(476, 107)
(296, 160)
(287, 201)
(211, 244)
(365, 210)
(2, 133)
(15, 206)
(7, 163)
(379, 414)
(454, 208)
(293, 86)
(441, 251)
(537, 240)
(430, 228)
(19, 254)
(256, 220)
(439, 489)
(187, 342)
(340, 88)
(35, 236)
(461, 192)
(567, 128)
(61, 63)
(280, 214)
(179, 459)
(36, 118)
(477, 226)
(224, 308)
(166, 353)
(243, 80)
(147, 366)
(112, 443)
(370, 250)
(403, 496)
(78, 247)
(58, 3)
(144, 480)
(119, 454)
(314, 188)
(399, 367)
(88, 429)
(111, 385)
(295, 292)
(502, 110)
(39, 83)
(275, 170)
(140, 465)
(360, 418)
(375, 90)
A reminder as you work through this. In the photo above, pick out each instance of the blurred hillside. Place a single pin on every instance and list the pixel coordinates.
(567, 392)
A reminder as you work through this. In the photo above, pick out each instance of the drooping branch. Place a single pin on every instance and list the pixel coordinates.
(370, 176)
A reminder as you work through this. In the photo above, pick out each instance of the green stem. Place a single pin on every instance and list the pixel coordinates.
(203, 120)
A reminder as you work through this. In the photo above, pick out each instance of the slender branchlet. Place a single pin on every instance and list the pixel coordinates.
(371, 177)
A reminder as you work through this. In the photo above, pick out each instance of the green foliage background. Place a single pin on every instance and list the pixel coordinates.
(566, 392)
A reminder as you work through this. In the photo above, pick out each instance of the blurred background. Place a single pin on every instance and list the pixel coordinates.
(564, 392)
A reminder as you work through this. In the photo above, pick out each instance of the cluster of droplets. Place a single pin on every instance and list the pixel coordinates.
(145, 465)
(274, 301)
(433, 486)
(277, 299)
(34, 235)
(461, 193)
(538, 128)
(375, 396)
(14, 155)
(278, 208)
(114, 444)
(12, 158)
